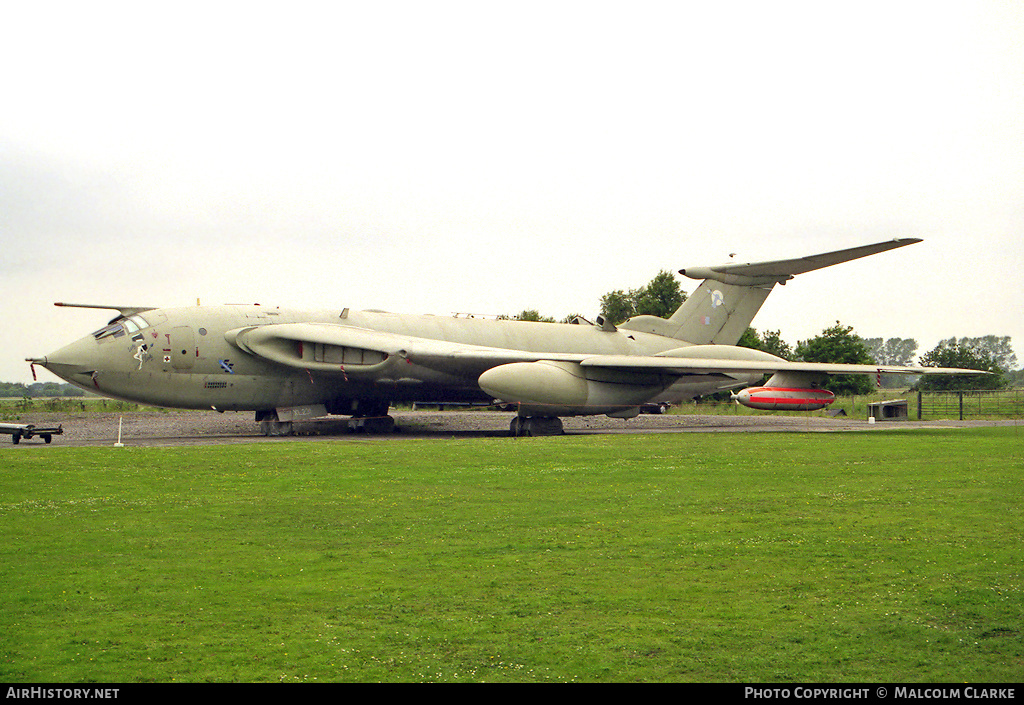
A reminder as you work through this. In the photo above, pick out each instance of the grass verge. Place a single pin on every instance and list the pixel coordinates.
(890, 556)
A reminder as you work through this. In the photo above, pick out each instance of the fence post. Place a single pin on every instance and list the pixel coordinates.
(961, 406)
(918, 404)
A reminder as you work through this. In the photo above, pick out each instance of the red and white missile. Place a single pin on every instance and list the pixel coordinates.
(784, 398)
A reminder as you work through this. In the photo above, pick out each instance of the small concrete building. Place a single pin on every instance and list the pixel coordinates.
(894, 410)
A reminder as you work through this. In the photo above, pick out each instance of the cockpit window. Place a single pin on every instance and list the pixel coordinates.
(120, 327)
(114, 330)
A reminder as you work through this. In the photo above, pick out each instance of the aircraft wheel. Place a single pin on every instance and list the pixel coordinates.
(370, 408)
(375, 424)
(516, 427)
(16, 438)
(276, 428)
(546, 426)
(536, 426)
(47, 438)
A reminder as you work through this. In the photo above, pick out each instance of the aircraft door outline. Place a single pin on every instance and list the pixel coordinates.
(183, 348)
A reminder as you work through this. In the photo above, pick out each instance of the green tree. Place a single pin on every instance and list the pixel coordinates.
(892, 351)
(659, 297)
(839, 344)
(39, 389)
(770, 342)
(965, 355)
(15, 390)
(998, 348)
(618, 306)
(533, 315)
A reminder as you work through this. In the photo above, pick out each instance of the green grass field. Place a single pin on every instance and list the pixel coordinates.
(888, 556)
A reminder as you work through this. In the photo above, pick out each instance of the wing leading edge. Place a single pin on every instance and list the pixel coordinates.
(682, 366)
(328, 348)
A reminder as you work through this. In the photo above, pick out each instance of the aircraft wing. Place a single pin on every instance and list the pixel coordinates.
(349, 350)
(684, 366)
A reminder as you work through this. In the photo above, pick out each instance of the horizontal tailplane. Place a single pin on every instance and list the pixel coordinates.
(730, 295)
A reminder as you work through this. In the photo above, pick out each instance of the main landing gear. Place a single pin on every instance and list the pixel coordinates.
(372, 424)
(536, 426)
(371, 420)
(271, 426)
(371, 416)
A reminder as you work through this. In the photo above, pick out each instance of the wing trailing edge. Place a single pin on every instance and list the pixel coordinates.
(684, 366)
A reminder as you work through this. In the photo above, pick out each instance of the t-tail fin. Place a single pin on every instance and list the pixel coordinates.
(725, 303)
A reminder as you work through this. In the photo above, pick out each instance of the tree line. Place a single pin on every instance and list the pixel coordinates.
(36, 390)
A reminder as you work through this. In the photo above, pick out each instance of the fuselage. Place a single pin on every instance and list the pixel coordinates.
(286, 364)
(191, 358)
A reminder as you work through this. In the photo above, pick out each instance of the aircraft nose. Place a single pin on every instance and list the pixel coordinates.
(75, 363)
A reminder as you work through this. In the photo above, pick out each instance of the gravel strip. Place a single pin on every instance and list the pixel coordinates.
(177, 428)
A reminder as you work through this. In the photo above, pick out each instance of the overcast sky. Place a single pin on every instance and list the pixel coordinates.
(490, 157)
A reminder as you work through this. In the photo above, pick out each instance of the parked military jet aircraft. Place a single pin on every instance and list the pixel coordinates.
(288, 365)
